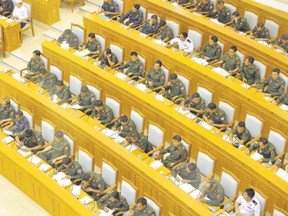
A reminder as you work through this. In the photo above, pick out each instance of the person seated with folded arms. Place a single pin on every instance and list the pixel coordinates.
(46, 80)
(32, 140)
(20, 13)
(92, 45)
(86, 99)
(134, 66)
(215, 116)
(213, 193)
(282, 43)
(106, 58)
(274, 85)
(142, 208)
(182, 42)
(71, 168)
(247, 204)
(7, 112)
(165, 32)
(114, 201)
(221, 13)
(205, 7)
(151, 26)
(110, 8)
(249, 72)
(34, 65)
(195, 104)
(69, 37)
(265, 148)
(139, 140)
(18, 125)
(93, 184)
(134, 17)
(174, 88)
(188, 173)
(283, 99)
(240, 134)
(239, 23)
(260, 33)
(56, 150)
(211, 51)
(155, 77)
(6, 8)
(61, 91)
(102, 112)
(177, 153)
(125, 126)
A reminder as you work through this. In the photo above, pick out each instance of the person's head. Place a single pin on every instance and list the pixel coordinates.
(259, 26)
(19, 115)
(232, 50)
(248, 194)
(87, 177)
(28, 133)
(205, 1)
(5, 102)
(19, 3)
(211, 108)
(196, 97)
(183, 36)
(176, 140)
(284, 38)
(210, 185)
(59, 136)
(235, 16)
(134, 136)
(173, 78)
(213, 40)
(191, 167)
(141, 203)
(220, 4)
(43, 72)
(108, 1)
(114, 196)
(67, 33)
(36, 54)
(59, 85)
(249, 61)
(91, 37)
(136, 7)
(275, 73)
(67, 162)
(98, 105)
(154, 18)
(263, 142)
(134, 56)
(84, 90)
(162, 24)
(124, 120)
(108, 52)
(157, 65)
(241, 126)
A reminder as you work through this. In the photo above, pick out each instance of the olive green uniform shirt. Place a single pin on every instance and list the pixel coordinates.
(48, 82)
(166, 33)
(97, 183)
(275, 87)
(34, 66)
(136, 68)
(142, 143)
(156, 77)
(177, 154)
(241, 24)
(75, 170)
(104, 60)
(223, 16)
(126, 129)
(263, 33)
(87, 101)
(201, 7)
(176, 89)
(245, 135)
(250, 73)
(283, 45)
(283, 99)
(105, 115)
(194, 177)
(93, 46)
(217, 196)
(35, 140)
(121, 204)
(211, 51)
(269, 153)
(63, 94)
(198, 106)
(148, 211)
(219, 117)
(7, 112)
(230, 63)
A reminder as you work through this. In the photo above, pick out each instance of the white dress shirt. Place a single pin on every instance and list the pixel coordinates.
(21, 13)
(251, 208)
(187, 45)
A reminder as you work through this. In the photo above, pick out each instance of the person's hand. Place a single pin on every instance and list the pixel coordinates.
(30, 73)
(267, 94)
(106, 209)
(178, 179)
(89, 189)
(150, 23)
(54, 161)
(203, 199)
(150, 83)
(244, 80)
(27, 149)
(114, 128)
(130, 25)
(168, 84)
(259, 90)
(38, 152)
(206, 57)
(171, 164)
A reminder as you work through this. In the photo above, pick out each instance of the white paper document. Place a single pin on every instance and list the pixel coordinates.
(175, 4)
(195, 194)
(9, 20)
(256, 156)
(160, 42)
(285, 178)
(205, 125)
(7, 140)
(245, 85)
(159, 97)
(66, 105)
(156, 164)
(86, 200)
(119, 139)
(59, 176)
(44, 167)
(64, 182)
(121, 76)
(131, 147)
(191, 116)
(23, 153)
(17, 77)
(188, 188)
(75, 190)
(180, 110)
(284, 107)
(200, 61)
(141, 87)
(103, 213)
(110, 133)
(175, 181)
(217, 22)
(124, 26)
(82, 53)
(34, 159)
(76, 106)
(269, 99)
(281, 173)
(221, 71)
(143, 35)
(279, 50)
(64, 45)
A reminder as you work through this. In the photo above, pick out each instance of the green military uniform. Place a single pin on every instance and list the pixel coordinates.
(194, 177)
(87, 101)
(275, 87)
(219, 117)
(6, 112)
(148, 211)
(211, 51)
(142, 143)
(198, 106)
(201, 7)
(48, 82)
(136, 68)
(63, 94)
(241, 25)
(217, 196)
(148, 29)
(105, 115)
(185, 1)
(135, 17)
(126, 129)
(72, 40)
(245, 135)
(119, 205)
(176, 89)
(166, 33)
(34, 66)
(58, 149)
(223, 16)
(104, 60)
(283, 45)
(269, 152)
(93, 46)
(230, 63)
(263, 33)
(177, 154)
(283, 99)
(35, 140)
(156, 77)
(75, 170)
(97, 183)
(250, 73)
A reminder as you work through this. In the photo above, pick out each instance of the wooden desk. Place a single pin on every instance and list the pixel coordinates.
(11, 35)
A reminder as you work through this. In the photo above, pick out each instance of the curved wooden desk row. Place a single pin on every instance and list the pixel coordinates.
(11, 35)
(173, 122)
(187, 20)
(246, 101)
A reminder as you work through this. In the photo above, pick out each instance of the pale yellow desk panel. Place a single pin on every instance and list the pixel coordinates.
(11, 35)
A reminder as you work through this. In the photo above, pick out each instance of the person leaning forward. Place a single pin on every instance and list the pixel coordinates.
(32, 140)
(102, 112)
(61, 91)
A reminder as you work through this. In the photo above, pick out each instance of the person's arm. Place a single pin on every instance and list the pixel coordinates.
(91, 105)
(189, 48)
(109, 117)
(237, 208)
(101, 202)
(280, 91)
(272, 156)
(74, 41)
(227, 17)
(264, 83)
(125, 16)
(139, 19)
(48, 148)
(60, 39)
(164, 151)
(66, 96)
(257, 76)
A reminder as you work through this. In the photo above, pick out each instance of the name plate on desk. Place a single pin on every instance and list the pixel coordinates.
(143, 35)
(246, 86)
(7, 140)
(110, 133)
(86, 200)
(188, 188)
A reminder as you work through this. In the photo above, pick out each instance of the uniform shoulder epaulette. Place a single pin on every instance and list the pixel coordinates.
(254, 202)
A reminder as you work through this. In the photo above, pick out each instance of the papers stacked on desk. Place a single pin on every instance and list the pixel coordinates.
(3, 18)
(110, 133)
(159, 97)
(205, 125)
(221, 71)
(242, 33)
(160, 42)
(54, 98)
(143, 35)
(76, 106)
(200, 61)
(141, 87)
(175, 4)
(216, 21)
(82, 53)
(34, 159)
(65, 105)
(59, 176)
(86, 200)
(256, 156)
(188, 188)
(7, 140)
(121, 76)
(23, 153)
(119, 139)
(175, 181)
(64, 45)
(64, 182)
(279, 50)
(281, 173)
(284, 107)
(18, 78)
(44, 167)
(191, 116)
(195, 194)
(9, 20)
(103, 213)
(269, 99)
(246, 86)
(75, 190)
(263, 43)
(180, 110)
(156, 164)
(131, 147)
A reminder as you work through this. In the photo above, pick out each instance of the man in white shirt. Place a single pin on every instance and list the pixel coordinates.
(182, 42)
(247, 204)
(20, 13)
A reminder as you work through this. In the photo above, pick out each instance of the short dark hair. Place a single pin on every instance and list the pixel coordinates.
(142, 200)
(173, 76)
(241, 124)
(84, 89)
(158, 62)
(43, 71)
(195, 95)
(137, 6)
(20, 113)
(115, 194)
(59, 83)
(233, 48)
(86, 176)
(263, 140)
(236, 14)
(250, 59)
(154, 17)
(7, 101)
(67, 31)
(260, 24)
(108, 51)
(37, 52)
(277, 70)
(192, 166)
(66, 160)
(250, 192)
(214, 39)
(162, 23)
(177, 137)
(28, 133)
(134, 134)
(123, 118)
(98, 103)
(212, 106)
(91, 35)
(284, 37)
(59, 134)
(220, 2)
(185, 35)
(133, 53)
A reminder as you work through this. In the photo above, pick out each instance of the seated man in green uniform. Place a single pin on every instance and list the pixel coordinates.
(187, 173)
(139, 140)
(56, 150)
(69, 37)
(71, 168)
(18, 125)
(102, 112)
(106, 58)
(195, 104)
(282, 43)
(222, 13)
(260, 32)
(61, 91)
(165, 32)
(92, 45)
(110, 8)
(177, 150)
(93, 184)
(274, 85)
(282, 100)
(215, 116)
(266, 149)
(205, 7)
(7, 112)
(125, 126)
(155, 77)
(240, 135)
(212, 193)
(114, 201)
(46, 80)
(142, 208)
(211, 51)
(134, 66)
(174, 88)
(86, 99)
(32, 140)
(249, 72)
(239, 23)
(34, 65)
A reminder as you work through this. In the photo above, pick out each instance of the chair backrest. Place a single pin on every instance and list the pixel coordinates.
(129, 191)
(273, 28)
(144, 11)
(230, 7)
(196, 37)
(214, 2)
(86, 160)
(118, 51)
(205, 94)
(75, 85)
(221, 45)
(45, 60)
(185, 81)
(262, 68)
(166, 72)
(253, 124)
(28, 7)
(47, 131)
(57, 71)
(241, 56)
(279, 212)
(153, 205)
(102, 41)
(120, 5)
(143, 60)
(109, 173)
(79, 31)
(186, 145)
(228, 109)
(263, 201)
(174, 26)
(285, 78)
(205, 163)
(114, 105)
(29, 117)
(137, 119)
(155, 135)
(14, 104)
(252, 18)
(278, 141)
(70, 141)
(229, 183)
(95, 91)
